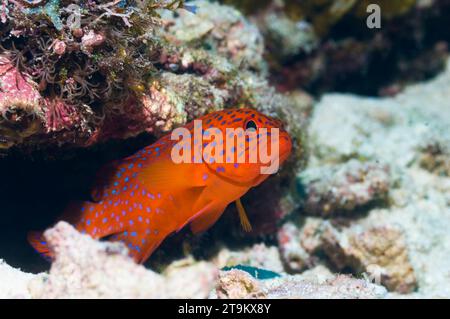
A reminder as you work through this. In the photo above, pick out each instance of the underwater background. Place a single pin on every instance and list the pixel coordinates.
(361, 209)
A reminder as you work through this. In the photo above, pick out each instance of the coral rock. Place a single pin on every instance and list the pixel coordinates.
(85, 268)
(336, 287)
(285, 37)
(91, 40)
(292, 252)
(14, 283)
(235, 284)
(435, 156)
(380, 252)
(222, 28)
(330, 190)
(20, 105)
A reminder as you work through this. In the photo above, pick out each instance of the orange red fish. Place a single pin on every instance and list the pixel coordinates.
(142, 199)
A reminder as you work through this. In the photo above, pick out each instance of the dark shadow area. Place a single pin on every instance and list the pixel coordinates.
(35, 190)
(373, 62)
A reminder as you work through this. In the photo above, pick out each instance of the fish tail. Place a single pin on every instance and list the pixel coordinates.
(37, 240)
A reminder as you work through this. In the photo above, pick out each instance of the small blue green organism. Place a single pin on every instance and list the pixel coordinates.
(255, 272)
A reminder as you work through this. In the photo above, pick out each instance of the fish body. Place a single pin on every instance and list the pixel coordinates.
(142, 199)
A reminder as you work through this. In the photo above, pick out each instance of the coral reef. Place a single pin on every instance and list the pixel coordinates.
(379, 252)
(361, 210)
(399, 241)
(84, 268)
(294, 256)
(87, 62)
(405, 236)
(376, 251)
(325, 46)
(19, 104)
(124, 71)
(286, 38)
(336, 287)
(220, 29)
(239, 284)
(325, 14)
(435, 155)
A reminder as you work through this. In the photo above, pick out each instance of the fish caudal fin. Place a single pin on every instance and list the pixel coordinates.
(37, 240)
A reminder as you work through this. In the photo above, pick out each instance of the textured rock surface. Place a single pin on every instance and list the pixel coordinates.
(394, 131)
(336, 287)
(343, 188)
(194, 64)
(286, 37)
(84, 268)
(379, 252)
(294, 255)
(325, 46)
(238, 284)
(222, 28)
(13, 282)
(21, 115)
(317, 284)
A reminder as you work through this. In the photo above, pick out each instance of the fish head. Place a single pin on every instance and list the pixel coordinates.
(244, 146)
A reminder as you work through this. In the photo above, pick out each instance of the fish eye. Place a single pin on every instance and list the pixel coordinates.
(251, 125)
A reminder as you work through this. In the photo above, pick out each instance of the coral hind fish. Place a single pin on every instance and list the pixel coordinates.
(142, 199)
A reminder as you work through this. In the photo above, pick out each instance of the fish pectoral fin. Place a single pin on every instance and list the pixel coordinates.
(206, 218)
(245, 222)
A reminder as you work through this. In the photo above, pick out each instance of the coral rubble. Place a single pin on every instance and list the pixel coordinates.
(342, 188)
(238, 284)
(379, 251)
(405, 234)
(84, 268)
